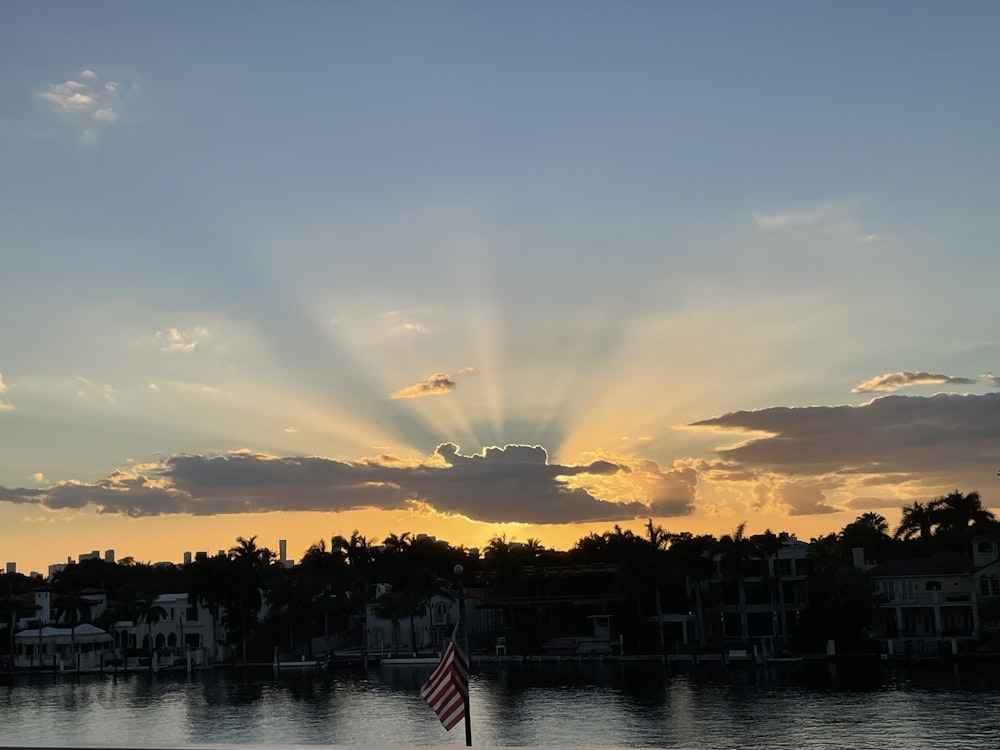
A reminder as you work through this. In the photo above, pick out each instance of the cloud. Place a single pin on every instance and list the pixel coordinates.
(514, 483)
(176, 340)
(403, 322)
(85, 103)
(437, 384)
(803, 499)
(893, 381)
(21, 495)
(866, 503)
(662, 491)
(88, 390)
(38, 477)
(937, 440)
(993, 380)
(833, 218)
(3, 387)
(789, 219)
(467, 371)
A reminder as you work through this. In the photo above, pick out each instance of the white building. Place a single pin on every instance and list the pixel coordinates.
(84, 648)
(181, 629)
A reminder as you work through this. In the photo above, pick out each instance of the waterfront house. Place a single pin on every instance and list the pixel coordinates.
(986, 585)
(182, 631)
(83, 648)
(390, 629)
(925, 605)
(756, 597)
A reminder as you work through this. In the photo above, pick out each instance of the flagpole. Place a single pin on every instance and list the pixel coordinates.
(465, 644)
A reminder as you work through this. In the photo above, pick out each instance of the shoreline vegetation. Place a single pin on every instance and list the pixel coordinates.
(657, 595)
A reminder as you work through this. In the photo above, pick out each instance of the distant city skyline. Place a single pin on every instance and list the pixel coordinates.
(469, 270)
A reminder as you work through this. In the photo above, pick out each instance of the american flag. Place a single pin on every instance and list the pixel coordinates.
(447, 688)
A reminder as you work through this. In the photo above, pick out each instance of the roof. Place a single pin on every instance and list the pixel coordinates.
(86, 633)
(943, 564)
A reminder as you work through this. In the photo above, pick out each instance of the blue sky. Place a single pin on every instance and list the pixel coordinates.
(295, 270)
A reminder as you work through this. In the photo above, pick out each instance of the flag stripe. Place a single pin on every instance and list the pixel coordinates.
(447, 689)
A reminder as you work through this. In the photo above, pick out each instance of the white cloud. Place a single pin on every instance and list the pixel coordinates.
(3, 387)
(88, 390)
(835, 218)
(893, 381)
(38, 477)
(85, 103)
(177, 340)
(783, 220)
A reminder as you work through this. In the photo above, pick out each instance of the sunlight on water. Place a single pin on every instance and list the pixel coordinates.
(567, 704)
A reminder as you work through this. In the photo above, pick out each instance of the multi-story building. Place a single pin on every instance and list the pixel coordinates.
(931, 605)
(761, 602)
(179, 629)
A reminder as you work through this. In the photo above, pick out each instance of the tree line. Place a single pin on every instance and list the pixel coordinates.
(643, 574)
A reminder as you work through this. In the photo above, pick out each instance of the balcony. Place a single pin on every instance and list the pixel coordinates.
(923, 598)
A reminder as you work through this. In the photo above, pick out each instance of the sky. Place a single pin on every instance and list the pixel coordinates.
(476, 269)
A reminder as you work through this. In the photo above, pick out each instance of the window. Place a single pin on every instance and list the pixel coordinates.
(995, 585)
(986, 546)
(984, 585)
(906, 590)
(932, 586)
(886, 588)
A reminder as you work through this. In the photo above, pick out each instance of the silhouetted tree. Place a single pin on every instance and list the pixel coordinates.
(735, 551)
(692, 556)
(869, 532)
(150, 613)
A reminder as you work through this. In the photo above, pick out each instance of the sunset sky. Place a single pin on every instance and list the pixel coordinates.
(471, 268)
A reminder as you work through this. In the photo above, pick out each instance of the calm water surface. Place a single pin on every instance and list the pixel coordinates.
(567, 704)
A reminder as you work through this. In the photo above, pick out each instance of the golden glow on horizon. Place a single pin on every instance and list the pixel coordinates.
(55, 536)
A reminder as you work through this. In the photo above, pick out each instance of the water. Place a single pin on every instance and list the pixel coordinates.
(565, 704)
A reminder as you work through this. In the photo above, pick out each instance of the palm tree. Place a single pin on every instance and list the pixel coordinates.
(358, 555)
(393, 606)
(422, 586)
(770, 545)
(208, 585)
(917, 522)
(868, 532)
(507, 572)
(658, 540)
(325, 571)
(393, 561)
(692, 556)
(72, 610)
(957, 515)
(244, 581)
(151, 613)
(736, 549)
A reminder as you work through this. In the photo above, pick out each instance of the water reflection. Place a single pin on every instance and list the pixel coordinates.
(569, 703)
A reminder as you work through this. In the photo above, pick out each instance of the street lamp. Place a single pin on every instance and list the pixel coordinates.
(463, 625)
